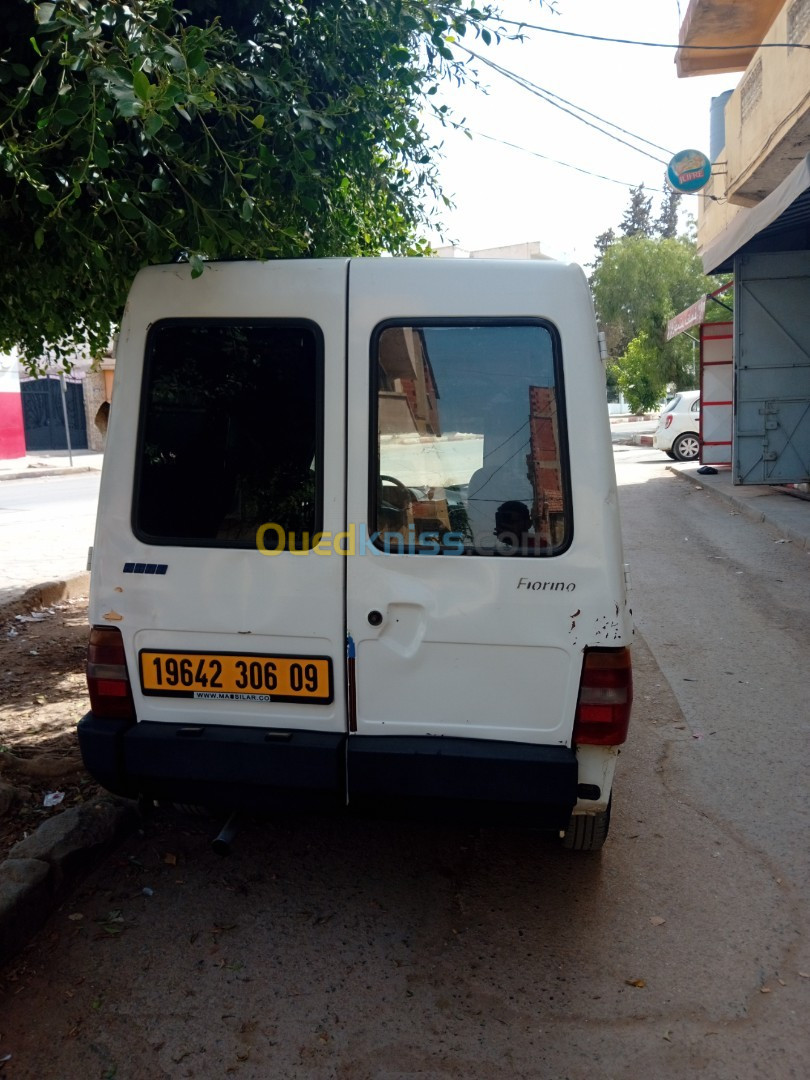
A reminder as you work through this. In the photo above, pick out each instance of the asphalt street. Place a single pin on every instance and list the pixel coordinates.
(46, 527)
(354, 949)
(725, 610)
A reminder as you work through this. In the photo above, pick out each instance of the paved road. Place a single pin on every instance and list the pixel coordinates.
(726, 611)
(46, 526)
(371, 949)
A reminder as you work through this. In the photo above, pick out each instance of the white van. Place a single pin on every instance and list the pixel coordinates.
(358, 542)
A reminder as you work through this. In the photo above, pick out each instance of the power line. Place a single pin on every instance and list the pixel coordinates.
(554, 99)
(657, 44)
(471, 495)
(566, 164)
(509, 438)
(587, 172)
(601, 119)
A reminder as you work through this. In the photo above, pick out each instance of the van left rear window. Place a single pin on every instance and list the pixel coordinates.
(230, 432)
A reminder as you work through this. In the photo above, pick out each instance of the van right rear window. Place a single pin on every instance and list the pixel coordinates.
(230, 432)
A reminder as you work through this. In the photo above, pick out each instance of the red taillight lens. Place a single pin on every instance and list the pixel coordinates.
(107, 677)
(605, 698)
(668, 421)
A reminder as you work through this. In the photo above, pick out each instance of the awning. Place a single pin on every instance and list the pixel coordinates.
(696, 314)
(692, 316)
(781, 222)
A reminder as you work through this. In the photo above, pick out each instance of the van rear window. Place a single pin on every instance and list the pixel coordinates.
(471, 440)
(230, 432)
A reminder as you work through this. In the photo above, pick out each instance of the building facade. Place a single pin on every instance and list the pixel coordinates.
(12, 431)
(754, 220)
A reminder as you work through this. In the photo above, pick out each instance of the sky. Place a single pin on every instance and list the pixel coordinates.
(504, 195)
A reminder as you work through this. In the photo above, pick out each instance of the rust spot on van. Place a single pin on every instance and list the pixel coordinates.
(113, 616)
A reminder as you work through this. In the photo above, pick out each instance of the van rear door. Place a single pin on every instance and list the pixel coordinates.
(232, 402)
(461, 596)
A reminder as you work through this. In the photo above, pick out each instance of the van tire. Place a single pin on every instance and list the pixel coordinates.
(587, 832)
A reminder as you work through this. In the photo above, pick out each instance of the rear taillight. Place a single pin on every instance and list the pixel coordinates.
(107, 677)
(668, 421)
(605, 698)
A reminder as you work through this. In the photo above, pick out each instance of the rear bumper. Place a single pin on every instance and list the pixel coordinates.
(661, 441)
(257, 769)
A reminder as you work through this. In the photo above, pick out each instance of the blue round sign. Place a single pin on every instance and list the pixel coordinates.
(689, 171)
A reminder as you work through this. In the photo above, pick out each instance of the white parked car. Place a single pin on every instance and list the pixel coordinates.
(678, 431)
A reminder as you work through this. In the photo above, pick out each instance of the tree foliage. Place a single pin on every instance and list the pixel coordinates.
(638, 374)
(637, 219)
(639, 281)
(639, 284)
(148, 132)
(667, 224)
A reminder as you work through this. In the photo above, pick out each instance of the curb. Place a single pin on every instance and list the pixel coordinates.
(632, 440)
(42, 869)
(743, 507)
(50, 592)
(29, 474)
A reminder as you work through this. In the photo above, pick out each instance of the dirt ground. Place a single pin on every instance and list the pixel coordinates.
(42, 697)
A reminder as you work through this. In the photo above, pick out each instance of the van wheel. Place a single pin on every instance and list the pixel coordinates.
(686, 447)
(587, 832)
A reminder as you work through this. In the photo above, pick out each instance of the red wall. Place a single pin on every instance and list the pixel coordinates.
(12, 433)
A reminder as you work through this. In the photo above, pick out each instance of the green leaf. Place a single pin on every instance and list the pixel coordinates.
(247, 208)
(65, 117)
(128, 211)
(129, 107)
(45, 13)
(45, 197)
(177, 61)
(152, 124)
(197, 264)
(258, 121)
(141, 85)
(170, 95)
(39, 239)
(195, 58)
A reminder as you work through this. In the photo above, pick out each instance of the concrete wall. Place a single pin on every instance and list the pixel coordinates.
(528, 250)
(12, 431)
(767, 122)
(96, 409)
(768, 115)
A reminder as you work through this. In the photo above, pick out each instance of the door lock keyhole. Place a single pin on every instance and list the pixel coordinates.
(375, 618)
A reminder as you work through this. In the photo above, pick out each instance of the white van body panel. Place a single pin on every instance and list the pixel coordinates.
(505, 637)
(221, 599)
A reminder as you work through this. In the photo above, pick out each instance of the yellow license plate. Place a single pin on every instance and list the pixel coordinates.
(236, 676)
